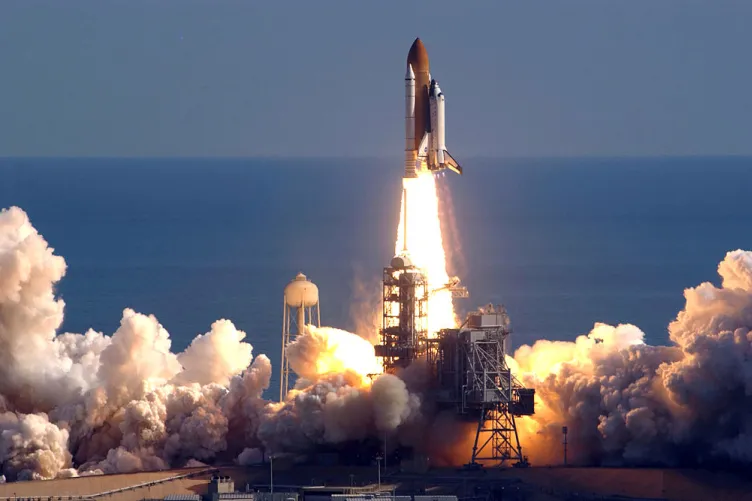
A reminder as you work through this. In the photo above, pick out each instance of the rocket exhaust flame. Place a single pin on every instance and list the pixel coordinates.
(419, 233)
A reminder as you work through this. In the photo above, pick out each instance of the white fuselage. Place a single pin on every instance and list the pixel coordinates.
(431, 153)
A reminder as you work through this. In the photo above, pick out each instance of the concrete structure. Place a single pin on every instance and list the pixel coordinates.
(219, 486)
(300, 308)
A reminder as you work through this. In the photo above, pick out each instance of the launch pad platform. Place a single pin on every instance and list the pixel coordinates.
(467, 364)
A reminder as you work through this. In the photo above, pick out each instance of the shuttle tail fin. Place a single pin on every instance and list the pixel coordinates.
(422, 158)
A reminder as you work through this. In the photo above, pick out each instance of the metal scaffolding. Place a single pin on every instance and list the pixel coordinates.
(496, 439)
(405, 314)
(473, 377)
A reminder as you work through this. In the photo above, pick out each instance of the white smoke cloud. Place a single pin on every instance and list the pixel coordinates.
(29, 318)
(250, 456)
(365, 310)
(629, 403)
(138, 358)
(215, 357)
(32, 447)
(89, 404)
(125, 402)
(196, 425)
(393, 404)
(331, 410)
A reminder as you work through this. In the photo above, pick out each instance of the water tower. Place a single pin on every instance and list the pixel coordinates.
(301, 308)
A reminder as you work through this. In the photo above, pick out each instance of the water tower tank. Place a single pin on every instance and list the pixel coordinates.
(301, 292)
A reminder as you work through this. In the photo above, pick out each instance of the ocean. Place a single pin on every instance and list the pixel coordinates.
(562, 243)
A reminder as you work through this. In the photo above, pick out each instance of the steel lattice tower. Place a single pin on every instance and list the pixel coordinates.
(473, 377)
(405, 315)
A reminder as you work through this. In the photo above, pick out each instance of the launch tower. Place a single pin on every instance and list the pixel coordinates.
(468, 365)
(473, 378)
(404, 332)
(301, 308)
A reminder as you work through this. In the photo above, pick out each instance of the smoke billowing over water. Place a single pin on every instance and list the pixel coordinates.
(626, 402)
(73, 404)
(95, 403)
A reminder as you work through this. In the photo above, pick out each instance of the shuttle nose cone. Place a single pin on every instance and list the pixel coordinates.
(418, 57)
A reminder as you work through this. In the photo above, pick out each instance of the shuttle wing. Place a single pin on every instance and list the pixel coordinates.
(451, 163)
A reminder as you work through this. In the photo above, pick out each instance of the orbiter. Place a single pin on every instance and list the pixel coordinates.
(425, 137)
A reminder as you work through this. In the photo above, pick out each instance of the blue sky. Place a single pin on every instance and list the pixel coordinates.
(325, 78)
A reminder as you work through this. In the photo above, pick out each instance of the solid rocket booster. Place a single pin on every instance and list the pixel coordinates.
(425, 134)
(410, 154)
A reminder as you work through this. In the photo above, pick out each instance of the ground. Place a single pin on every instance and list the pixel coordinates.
(532, 484)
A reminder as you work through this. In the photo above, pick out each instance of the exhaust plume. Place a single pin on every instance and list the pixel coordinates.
(423, 241)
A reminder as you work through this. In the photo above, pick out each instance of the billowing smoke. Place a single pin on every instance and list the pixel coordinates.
(32, 447)
(215, 357)
(90, 403)
(334, 400)
(626, 402)
(365, 309)
(82, 404)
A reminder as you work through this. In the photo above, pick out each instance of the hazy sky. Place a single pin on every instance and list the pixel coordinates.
(324, 78)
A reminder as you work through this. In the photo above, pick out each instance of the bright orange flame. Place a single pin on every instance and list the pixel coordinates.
(347, 352)
(342, 351)
(319, 351)
(425, 247)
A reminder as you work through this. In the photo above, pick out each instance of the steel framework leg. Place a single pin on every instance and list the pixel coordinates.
(498, 438)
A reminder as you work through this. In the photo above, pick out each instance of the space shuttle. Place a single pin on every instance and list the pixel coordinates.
(425, 136)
